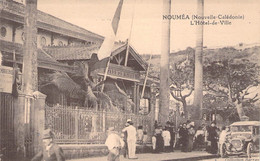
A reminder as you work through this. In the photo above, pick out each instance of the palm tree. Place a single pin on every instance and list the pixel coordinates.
(198, 80)
(79, 84)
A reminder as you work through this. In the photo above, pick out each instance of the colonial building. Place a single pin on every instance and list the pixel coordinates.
(62, 48)
(51, 30)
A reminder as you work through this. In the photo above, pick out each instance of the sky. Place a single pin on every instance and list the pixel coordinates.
(146, 18)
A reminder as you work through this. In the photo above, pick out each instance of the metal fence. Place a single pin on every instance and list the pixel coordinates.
(82, 126)
(6, 123)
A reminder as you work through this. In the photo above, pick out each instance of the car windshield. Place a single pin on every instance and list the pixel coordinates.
(241, 128)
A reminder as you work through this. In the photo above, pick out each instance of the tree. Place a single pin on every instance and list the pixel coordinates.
(231, 76)
(79, 84)
(198, 77)
(182, 79)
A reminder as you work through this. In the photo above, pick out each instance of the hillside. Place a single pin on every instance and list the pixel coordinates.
(251, 53)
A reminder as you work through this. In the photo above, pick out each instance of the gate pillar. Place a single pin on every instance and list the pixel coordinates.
(19, 125)
(38, 120)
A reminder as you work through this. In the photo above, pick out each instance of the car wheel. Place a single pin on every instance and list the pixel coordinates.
(223, 150)
(249, 149)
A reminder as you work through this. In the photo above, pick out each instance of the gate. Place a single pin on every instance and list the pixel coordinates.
(7, 145)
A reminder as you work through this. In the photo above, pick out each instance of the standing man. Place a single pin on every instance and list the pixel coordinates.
(166, 139)
(223, 136)
(131, 139)
(125, 141)
(50, 150)
(114, 143)
(213, 138)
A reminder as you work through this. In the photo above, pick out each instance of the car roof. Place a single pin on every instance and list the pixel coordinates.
(241, 123)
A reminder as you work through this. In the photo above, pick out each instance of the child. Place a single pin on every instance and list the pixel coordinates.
(145, 138)
(154, 143)
(140, 134)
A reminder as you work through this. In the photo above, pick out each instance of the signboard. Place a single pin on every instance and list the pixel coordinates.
(120, 72)
(6, 79)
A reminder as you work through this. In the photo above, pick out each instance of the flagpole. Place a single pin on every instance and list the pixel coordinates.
(114, 24)
(130, 34)
(105, 75)
(146, 76)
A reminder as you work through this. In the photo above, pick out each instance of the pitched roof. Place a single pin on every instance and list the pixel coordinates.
(133, 52)
(44, 59)
(72, 52)
(15, 11)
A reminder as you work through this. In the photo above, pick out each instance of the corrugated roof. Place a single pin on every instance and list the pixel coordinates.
(71, 52)
(44, 59)
(16, 11)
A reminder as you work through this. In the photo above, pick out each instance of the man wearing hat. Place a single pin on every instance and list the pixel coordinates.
(114, 143)
(50, 150)
(131, 139)
(213, 138)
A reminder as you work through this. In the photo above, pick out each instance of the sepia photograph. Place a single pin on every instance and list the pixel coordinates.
(119, 80)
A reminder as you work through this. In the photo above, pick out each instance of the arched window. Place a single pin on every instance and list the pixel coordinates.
(23, 36)
(43, 41)
(3, 31)
(60, 43)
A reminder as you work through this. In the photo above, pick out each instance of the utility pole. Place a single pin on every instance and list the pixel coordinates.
(198, 84)
(164, 65)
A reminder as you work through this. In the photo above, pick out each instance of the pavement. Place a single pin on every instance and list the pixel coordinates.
(172, 156)
(255, 157)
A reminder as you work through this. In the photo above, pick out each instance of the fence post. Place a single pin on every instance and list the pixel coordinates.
(94, 122)
(38, 119)
(77, 124)
(104, 120)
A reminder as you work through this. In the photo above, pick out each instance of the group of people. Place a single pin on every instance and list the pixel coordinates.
(209, 138)
(186, 136)
(163, 138)
(127, 142)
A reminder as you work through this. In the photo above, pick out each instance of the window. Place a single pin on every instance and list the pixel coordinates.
(3, 31)
(60, 43)
(23, 36)
(43, 41)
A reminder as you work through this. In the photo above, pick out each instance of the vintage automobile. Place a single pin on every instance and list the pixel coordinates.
(243, 139)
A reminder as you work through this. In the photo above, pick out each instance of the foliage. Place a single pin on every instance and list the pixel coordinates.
(78, 84)
(230, 77)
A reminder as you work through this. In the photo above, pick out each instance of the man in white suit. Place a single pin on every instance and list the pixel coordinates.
(131, 139)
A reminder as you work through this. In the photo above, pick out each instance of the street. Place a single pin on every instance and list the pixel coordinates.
(177, 156)
(255, 157)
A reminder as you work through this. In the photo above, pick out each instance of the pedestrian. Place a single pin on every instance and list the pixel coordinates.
(145, 138)
(154, 143)
(125, 151)
(50, 150)
(140, 134)
(223, 136)
(166, 139)
(159, 139)
(184, 137)
(172, 132)
(178, 138)
(199, 138)
(191, 133)
(213, 138)
(131, 139)
(114, 144)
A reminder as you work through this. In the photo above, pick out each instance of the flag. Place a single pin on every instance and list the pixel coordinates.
(107, 46)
